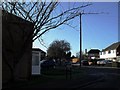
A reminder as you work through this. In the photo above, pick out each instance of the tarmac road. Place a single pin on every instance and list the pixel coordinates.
(109, 81)
(110, 77)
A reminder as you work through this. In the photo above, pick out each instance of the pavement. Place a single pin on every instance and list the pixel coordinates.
(101, 67)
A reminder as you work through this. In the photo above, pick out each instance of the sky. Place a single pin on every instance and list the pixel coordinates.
(98, 30)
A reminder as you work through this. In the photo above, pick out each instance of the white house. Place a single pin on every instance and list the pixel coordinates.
(112, 52)
(37, 56)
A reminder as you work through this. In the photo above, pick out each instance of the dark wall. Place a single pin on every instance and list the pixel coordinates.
(14, 35)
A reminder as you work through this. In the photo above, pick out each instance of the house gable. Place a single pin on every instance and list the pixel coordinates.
(94, 51)
(112, 47)
(111, 52)
(43, 53)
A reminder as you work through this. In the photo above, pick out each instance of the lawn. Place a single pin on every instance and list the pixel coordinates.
(48, 75)
(60, 72)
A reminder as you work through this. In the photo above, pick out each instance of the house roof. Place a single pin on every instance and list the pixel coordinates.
(93, 51)
(37, 49)
(112, 47)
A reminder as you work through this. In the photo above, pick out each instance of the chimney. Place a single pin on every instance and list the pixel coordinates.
(85, 51)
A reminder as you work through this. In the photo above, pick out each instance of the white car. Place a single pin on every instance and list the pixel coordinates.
(98, 62)
(103, 62)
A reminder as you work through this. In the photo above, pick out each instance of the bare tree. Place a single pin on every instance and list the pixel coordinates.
(58, 49)
(42, 15)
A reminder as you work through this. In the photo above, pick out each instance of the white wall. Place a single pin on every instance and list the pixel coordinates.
(36, 69)
(108, 55)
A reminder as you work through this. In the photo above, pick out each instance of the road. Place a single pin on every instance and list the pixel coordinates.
(110, 77)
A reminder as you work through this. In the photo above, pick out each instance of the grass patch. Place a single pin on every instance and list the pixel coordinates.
(50, 75)
(53, 72)
(60, 73)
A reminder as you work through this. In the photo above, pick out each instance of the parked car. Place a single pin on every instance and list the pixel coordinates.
(99, 61)
(109, 61)
(76, 64)
(103, 62)
(84, 62)
(91, 61)
(48, 64)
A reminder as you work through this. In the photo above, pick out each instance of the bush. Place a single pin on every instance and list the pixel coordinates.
(48, 64)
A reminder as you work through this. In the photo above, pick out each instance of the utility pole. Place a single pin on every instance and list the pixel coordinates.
(82, 13)
(80, 38)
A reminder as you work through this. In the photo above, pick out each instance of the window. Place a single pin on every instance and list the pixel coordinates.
(104, 52)
(35, 60)
(109, 52)
(113, 51)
